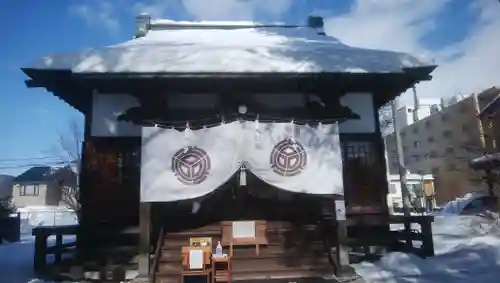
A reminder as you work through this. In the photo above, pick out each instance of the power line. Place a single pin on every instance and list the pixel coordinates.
(27, 159)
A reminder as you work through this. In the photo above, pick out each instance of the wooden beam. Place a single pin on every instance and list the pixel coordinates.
(40, 256)
(342, 268)
(144, 239)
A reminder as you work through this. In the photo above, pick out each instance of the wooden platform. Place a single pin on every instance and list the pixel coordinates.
(292, 252)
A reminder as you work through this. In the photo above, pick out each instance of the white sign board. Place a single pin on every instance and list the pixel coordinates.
(340, 210)
(244, 229)
(196, 259)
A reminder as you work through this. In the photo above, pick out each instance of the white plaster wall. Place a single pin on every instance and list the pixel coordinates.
(105, 111)
(361, 104)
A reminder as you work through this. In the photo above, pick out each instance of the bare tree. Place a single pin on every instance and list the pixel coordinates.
(69, 150)
(385, 119)
(7, 207)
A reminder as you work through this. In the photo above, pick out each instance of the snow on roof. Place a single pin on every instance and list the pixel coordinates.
(234, 47)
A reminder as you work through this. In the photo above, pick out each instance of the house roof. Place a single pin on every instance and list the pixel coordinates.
(35, 174)
(45, 174)
(229, 47)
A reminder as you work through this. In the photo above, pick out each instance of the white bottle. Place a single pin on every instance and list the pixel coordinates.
(218, 249)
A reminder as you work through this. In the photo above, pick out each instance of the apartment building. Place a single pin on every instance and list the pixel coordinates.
(440, 139)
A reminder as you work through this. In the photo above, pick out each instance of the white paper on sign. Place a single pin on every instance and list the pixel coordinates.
(340, 210)
(195, 259)
(244, 229)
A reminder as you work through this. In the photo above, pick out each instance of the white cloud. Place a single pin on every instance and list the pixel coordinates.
(464, 67)
(102, 14)
(475, 68)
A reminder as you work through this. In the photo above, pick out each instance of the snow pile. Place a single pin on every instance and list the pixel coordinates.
(201, 49)
(463, 254)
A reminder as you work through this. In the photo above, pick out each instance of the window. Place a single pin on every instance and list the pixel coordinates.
(415, 130)
(29, 190)
(361, 159)
(465, 128)
(447, 134)
(416, 157)
(462, 108)
(392, 189)
(433, 154)
(430, 139)
(409, 110)
(434, 108)
(416, 144)
(450, 150)
(395, 166)
(428, 124)
(444, 117)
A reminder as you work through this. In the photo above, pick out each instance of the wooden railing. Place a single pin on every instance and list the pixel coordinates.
(399, 240)
(42, 249)
(156, 258)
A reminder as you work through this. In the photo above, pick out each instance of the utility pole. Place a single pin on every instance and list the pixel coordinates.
(401, 167)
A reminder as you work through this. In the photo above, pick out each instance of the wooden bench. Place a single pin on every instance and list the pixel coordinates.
(258, 238)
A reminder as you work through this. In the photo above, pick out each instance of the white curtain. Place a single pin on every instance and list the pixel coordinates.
(295, 158)
(183, 165)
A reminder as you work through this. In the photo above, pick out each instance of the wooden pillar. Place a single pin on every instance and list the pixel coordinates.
(144, 239)
(59, 249)
(428, 242)
(342, 268)
(40, 257)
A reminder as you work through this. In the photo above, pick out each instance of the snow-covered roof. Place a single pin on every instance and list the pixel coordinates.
(229, 47)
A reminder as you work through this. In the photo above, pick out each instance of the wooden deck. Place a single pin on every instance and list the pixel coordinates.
(292, 252)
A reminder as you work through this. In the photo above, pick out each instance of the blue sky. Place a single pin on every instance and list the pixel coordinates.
(458, 34)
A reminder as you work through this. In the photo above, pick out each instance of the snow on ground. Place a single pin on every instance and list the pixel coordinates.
(16, 259)
(467, 250)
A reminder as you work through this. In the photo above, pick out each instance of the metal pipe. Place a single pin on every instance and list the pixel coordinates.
(401, 167)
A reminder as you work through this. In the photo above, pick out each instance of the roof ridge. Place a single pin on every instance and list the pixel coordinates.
(145, 23)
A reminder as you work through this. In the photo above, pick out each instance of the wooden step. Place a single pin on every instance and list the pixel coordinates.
(196, 232)
(169, 268)
(272, 238)
(260, 264)
(287, 274)
(214, 229)
(293, 275)
(257, 274)
(275, 264)
(165, 278)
